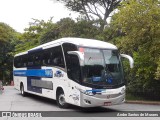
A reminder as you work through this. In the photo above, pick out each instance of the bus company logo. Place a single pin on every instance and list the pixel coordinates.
(58, 74)
(6, 114)
(21, 114)
(48, 72)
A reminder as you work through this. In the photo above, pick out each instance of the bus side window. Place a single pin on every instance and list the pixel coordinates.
(20, 62)
(73, 68)
(57, 57)
(45, 58)
(16, 62)
(30, 60)
(58, 61)
(24, 61)
(37, 61)
(72, 62)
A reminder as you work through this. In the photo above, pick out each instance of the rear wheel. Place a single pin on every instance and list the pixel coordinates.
(61, 99)
(23, 93)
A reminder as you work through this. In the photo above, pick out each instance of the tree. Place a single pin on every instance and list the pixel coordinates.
(52, 31)
(93, 9)
(8, 39)
(139, 22)
(86, 29)
(33, 35)
(67, 27)
(40, 32)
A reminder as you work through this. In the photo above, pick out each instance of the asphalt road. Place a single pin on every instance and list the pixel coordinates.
(11, 100)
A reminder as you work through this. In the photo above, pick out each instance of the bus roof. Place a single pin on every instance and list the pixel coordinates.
(77, 41)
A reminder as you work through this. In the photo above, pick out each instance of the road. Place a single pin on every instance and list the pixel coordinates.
(11, 100)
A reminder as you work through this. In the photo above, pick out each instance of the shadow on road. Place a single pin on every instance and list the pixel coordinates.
(71, 107)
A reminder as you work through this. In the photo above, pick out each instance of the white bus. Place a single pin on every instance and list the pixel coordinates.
(78, 71)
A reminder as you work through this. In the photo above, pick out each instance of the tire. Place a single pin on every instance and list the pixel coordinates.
(61, 99)
(23, 93)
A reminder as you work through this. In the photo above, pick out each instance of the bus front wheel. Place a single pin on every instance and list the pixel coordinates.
(61, 99)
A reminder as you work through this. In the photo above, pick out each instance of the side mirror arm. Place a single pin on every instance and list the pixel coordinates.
(131, 61)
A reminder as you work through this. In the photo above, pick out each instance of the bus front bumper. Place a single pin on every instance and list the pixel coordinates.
(92, 101)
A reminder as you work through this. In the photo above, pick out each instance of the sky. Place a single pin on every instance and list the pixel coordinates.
(18, 13)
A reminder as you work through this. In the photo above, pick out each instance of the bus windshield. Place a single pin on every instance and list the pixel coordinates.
(102, 68)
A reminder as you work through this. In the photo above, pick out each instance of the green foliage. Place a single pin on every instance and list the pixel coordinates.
(67, 27)
(86, 29)
(34, 35)
(8, 39)
(139, 21)
(133, 97)
(40, 32)
(139, 25)
(157, 74)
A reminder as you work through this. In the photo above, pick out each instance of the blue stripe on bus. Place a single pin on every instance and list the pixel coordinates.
(48, 73)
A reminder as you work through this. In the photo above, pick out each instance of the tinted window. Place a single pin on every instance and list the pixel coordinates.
(72, 62)
(73, 68)
(57, 57)
(24, 60)
(16, 61)
(48, 57)
(20, 61)
(37, 59)
(30, 62)
(53, 56)
(68, 47)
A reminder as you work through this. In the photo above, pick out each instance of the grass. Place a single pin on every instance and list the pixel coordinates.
(132, 97)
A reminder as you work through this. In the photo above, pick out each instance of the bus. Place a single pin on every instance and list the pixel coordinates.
(78, 71)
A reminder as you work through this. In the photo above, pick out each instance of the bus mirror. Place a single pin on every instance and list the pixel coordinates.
(80, 56)
(131, 61)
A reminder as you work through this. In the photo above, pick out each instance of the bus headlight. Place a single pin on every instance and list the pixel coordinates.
(89, 93)
(122, 90)
(86, 92)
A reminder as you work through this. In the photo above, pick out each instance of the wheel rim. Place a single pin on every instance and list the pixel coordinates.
(61, 99)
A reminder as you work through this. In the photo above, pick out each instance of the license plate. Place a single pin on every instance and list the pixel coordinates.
(107, 103)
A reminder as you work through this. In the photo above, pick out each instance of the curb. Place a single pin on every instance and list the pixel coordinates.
(143, 102)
